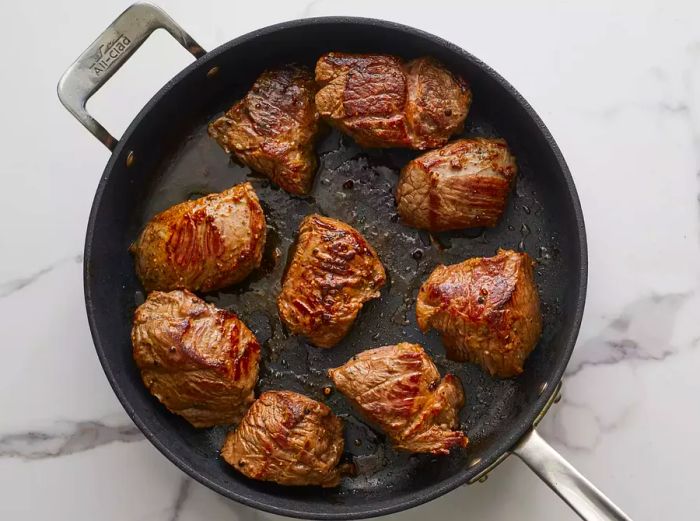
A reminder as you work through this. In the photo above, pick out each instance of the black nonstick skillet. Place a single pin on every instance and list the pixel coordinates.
(165, 157)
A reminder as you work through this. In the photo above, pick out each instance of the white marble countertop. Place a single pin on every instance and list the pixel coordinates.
(618, 84)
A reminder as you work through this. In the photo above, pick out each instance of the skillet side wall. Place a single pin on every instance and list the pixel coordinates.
(167, 138)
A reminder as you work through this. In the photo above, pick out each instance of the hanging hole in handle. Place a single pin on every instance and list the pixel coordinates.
(120, 99)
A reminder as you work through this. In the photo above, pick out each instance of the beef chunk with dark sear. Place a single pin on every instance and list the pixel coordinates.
(462, 185)
(383, 102)
(333, 272)
(201, 362)
(398, 389)
(202, 245)
(290, 439)
(486, 309)
(274, 127)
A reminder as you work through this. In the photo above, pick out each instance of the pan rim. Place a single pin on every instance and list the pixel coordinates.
(516, 431)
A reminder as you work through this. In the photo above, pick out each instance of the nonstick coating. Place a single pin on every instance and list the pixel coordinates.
(173, 160)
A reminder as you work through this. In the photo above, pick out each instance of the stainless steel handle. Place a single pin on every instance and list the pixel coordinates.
(581, 495)
(108, 53)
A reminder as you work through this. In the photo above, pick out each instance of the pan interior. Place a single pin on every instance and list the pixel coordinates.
(176, 160)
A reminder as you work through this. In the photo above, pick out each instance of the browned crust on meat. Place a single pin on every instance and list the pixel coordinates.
(437, 105)
(398, 388)
(333, 272)
(487, 311)
(464, 184)
(274, 127)
(383, 102)
(287, 438)
(202, 245)
(201, 362)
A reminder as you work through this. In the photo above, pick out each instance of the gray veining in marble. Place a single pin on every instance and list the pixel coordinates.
(9, 287)
(182, 494)
(64, 439)
(641, 332)
(558, 432)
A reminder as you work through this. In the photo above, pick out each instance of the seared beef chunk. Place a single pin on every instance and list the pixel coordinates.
(202, 245)
(273, 128)
(333, 272)
(463, 185)
(398, 389)
(199, 361)
(383, 102)
(287, 438)
(486, 309)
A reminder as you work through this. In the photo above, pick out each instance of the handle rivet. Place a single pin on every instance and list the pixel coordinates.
(213, 72)
(130, 158)
(483, 478)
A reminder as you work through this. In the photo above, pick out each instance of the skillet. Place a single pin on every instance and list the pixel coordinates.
(165, 157)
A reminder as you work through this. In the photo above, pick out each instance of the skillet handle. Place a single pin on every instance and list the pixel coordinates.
(108, 53)
(580, 494)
